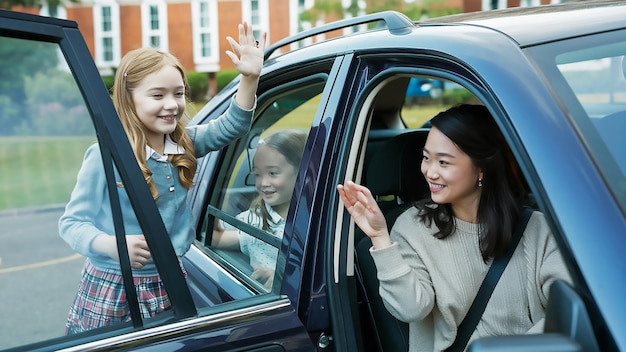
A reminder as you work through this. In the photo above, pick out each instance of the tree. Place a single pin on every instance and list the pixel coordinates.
(413, 9)
(22, 59)
(53, 5)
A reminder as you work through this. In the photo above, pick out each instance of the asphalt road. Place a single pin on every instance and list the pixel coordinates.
(39, 276)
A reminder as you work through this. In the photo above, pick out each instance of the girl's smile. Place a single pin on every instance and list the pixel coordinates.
(275, 178)
(452, 177)
(160, 102)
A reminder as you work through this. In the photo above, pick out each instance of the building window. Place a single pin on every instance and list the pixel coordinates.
(154, 24)
(256, 12)
(493, 4)
(106, 36)
(296, 8)
(525, 3)
(107, 49)
(205, 35)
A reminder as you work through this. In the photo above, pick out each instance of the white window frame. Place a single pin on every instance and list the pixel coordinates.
(61, 11)
(205, 63)
(106, 66)
(295, 25)
(146, 30)
(528, 3)
(362, 5)
(262, 25)
(486, 4)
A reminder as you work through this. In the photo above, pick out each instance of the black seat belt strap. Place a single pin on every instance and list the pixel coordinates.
(474, 314)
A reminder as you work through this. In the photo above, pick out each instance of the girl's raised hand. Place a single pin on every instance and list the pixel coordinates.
(247, 54)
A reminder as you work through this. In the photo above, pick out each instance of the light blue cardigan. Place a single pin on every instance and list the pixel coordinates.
(88, 213)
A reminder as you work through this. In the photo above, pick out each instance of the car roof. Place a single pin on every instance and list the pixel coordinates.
(540, 24)
(524, 26)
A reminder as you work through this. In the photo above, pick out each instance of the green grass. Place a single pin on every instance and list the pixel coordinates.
(38, 171)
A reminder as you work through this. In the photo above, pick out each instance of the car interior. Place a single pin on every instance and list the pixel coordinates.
(391, 170)
(390, 167)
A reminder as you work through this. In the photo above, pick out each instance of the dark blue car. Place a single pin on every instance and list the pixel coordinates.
(554, 77)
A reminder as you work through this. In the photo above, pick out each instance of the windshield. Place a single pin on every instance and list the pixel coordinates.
(589, 75)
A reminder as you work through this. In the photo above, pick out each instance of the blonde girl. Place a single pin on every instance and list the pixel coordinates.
(149, 94)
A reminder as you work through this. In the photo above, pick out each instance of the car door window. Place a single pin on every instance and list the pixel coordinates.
(46, 128)
(246, 217)
(51, 102)
(592, 82)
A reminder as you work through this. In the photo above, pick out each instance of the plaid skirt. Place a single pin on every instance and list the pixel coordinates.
(101, 299)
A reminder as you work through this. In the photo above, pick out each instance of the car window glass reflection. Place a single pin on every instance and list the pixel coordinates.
(257, 196)
(46, 129)
(598, 79)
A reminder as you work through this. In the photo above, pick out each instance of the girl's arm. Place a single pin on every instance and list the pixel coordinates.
(78, 226)
(224, 239)
(236, 121)
(247, 55)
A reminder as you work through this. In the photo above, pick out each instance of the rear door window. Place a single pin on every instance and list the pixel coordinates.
(245, 219)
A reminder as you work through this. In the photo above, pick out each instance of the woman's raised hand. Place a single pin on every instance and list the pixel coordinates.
(363, 208)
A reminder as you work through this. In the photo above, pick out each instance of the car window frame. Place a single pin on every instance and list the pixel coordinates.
(117, 155)
(236, 150)
(544, 56)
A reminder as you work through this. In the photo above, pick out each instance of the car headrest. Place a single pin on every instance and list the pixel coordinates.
(394, 169)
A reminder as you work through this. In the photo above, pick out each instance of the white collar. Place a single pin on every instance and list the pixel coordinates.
(170, 148)
(276, 218)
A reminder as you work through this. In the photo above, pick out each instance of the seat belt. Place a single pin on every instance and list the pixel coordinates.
(468, 325)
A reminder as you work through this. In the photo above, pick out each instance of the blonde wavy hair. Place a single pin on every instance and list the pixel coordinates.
(134, 67)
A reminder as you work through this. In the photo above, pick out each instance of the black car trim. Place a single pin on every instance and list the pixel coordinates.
(245, 227)
(120, 239)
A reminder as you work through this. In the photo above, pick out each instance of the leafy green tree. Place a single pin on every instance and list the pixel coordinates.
(55, 106)
(53, 5)
(21, 59)
(413, 9)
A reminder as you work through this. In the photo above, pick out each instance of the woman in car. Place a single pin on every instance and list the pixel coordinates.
(434, 260)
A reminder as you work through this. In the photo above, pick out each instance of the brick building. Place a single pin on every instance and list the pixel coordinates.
(195, 30)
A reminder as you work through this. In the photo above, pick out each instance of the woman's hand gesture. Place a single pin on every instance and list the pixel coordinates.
(363, 208)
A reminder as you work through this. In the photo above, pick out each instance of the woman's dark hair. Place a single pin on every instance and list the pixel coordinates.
(475, 132)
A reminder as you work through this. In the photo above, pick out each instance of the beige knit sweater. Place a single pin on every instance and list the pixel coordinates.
(431, 283)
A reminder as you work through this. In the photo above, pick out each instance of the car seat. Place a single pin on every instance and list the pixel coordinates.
(393, 176)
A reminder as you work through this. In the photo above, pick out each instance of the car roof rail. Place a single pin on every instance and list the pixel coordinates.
(396, 22)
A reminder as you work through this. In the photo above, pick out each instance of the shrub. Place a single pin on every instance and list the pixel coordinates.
(54, 106)
(225, 76)
(108, 81)
(198, 85)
